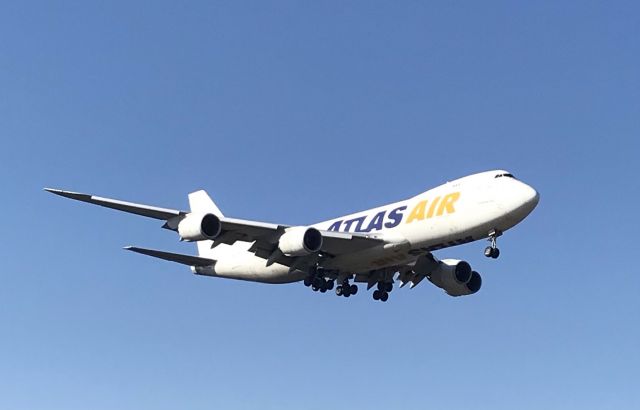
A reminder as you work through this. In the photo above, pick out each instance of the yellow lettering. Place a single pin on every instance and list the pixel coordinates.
(417, 212)
(432, 208)
(447, 203)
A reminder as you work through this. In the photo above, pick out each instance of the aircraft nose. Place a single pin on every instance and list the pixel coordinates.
(519, 201)
(530, 198)
(533, 197)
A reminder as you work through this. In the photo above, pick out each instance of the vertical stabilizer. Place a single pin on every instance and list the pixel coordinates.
(201, 202)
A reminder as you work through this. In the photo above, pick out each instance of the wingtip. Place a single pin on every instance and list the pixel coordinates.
(68, 194)
(59, 192)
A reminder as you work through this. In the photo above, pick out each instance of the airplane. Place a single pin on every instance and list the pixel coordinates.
(380, 246)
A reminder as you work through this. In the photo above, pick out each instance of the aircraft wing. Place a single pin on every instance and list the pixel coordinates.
(333, 244)
(138, 209)
(264, 234)
(173, 257)
(267, 235)
(265, 238)
(336, 243)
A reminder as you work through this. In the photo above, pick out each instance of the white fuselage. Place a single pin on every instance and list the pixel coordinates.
(457, 212)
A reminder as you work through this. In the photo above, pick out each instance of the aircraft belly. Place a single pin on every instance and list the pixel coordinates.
(374, 258)
(244, 265)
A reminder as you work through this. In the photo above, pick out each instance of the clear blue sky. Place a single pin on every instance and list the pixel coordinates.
(294, 112)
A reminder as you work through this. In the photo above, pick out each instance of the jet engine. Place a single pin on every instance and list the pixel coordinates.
(456, 278)
(199, 227)
(300, 241)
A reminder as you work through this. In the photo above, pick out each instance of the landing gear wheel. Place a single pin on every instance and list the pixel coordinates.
(492, 251)
(339, 290)
(376, 295)
(384, 296)
(353, 289)
(323, 290)
(330, 284)
(315, 288)
(308, 281)
(389, 287)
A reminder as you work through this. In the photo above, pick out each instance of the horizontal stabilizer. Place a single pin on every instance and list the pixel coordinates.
(173, 257)
(138, 209)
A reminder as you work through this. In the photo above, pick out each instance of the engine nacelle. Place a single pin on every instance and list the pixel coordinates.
(456, 278)
(199, 227)
(300, 241)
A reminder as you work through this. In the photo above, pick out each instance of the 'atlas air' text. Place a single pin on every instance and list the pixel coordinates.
(385, 219)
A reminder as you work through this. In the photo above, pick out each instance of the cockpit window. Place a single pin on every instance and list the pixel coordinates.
(505, 175)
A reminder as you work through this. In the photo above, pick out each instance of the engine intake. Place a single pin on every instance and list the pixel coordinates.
(300, 241)
(475, 283)
(456, 278)
(199, 227)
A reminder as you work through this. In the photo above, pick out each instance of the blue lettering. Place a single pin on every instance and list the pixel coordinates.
(396, 216)
(347, 224)
(376, 222)
(335, 226)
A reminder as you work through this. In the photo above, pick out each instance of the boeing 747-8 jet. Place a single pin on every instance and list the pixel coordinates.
(378, 247)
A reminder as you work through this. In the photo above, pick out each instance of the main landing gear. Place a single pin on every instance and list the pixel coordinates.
(382, 293)
(346, 289)
(318, 283)
(492, 251)
(320, 280)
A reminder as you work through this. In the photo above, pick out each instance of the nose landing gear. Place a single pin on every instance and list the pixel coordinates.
(492, 251)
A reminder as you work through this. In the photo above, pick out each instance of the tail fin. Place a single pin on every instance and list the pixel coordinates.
(200, 201)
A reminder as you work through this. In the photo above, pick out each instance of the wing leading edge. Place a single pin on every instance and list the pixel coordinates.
(138, 209)
(264, 235)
